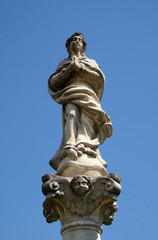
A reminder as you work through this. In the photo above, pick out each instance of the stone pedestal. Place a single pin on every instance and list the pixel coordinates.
(84, 165)
(82, 204)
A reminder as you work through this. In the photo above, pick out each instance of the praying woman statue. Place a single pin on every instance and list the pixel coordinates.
(78, 85)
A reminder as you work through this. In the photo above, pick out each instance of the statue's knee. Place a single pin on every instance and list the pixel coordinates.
(71, 110)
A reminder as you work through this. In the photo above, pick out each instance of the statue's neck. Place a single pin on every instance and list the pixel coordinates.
(77, 54)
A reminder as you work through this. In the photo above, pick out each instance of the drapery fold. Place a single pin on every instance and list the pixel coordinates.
(93, 124)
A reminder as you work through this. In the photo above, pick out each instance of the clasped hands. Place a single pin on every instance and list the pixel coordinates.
(75, 65)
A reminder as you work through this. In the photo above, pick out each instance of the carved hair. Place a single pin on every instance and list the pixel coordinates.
(67, 44)
(76, 178)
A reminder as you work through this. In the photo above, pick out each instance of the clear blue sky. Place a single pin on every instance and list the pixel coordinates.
(122, 36)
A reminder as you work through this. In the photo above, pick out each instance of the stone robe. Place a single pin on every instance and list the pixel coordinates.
(84, 90)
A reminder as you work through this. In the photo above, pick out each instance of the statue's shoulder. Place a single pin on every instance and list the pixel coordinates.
(63, 63)
(91, 62)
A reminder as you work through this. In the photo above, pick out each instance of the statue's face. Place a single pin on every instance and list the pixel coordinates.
(81, 187)
(76, 44)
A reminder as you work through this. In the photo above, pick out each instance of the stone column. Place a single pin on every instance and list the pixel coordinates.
(78, 230)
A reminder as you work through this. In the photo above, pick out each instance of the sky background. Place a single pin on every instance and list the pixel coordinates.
(122, 36)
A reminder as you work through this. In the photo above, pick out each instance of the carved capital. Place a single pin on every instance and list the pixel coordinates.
(80, 198)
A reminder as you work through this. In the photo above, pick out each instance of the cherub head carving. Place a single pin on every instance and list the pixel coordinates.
(81, 185)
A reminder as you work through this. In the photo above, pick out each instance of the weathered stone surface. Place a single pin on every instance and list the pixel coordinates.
(81, 194)
(80, 203)
(78, 230)
(83, 165)
(78, 85)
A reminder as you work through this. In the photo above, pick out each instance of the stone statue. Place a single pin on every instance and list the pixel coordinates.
(82, 195)
(78, 85)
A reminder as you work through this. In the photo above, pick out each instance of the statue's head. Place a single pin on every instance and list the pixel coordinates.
(76, 40)
(81, 185)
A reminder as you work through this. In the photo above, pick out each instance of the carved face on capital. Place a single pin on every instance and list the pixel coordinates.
(81, 185)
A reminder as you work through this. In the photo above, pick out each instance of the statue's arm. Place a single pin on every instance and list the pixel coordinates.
(57, 79)
(93, 74)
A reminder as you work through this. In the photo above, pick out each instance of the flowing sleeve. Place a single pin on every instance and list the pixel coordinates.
(56, 80)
